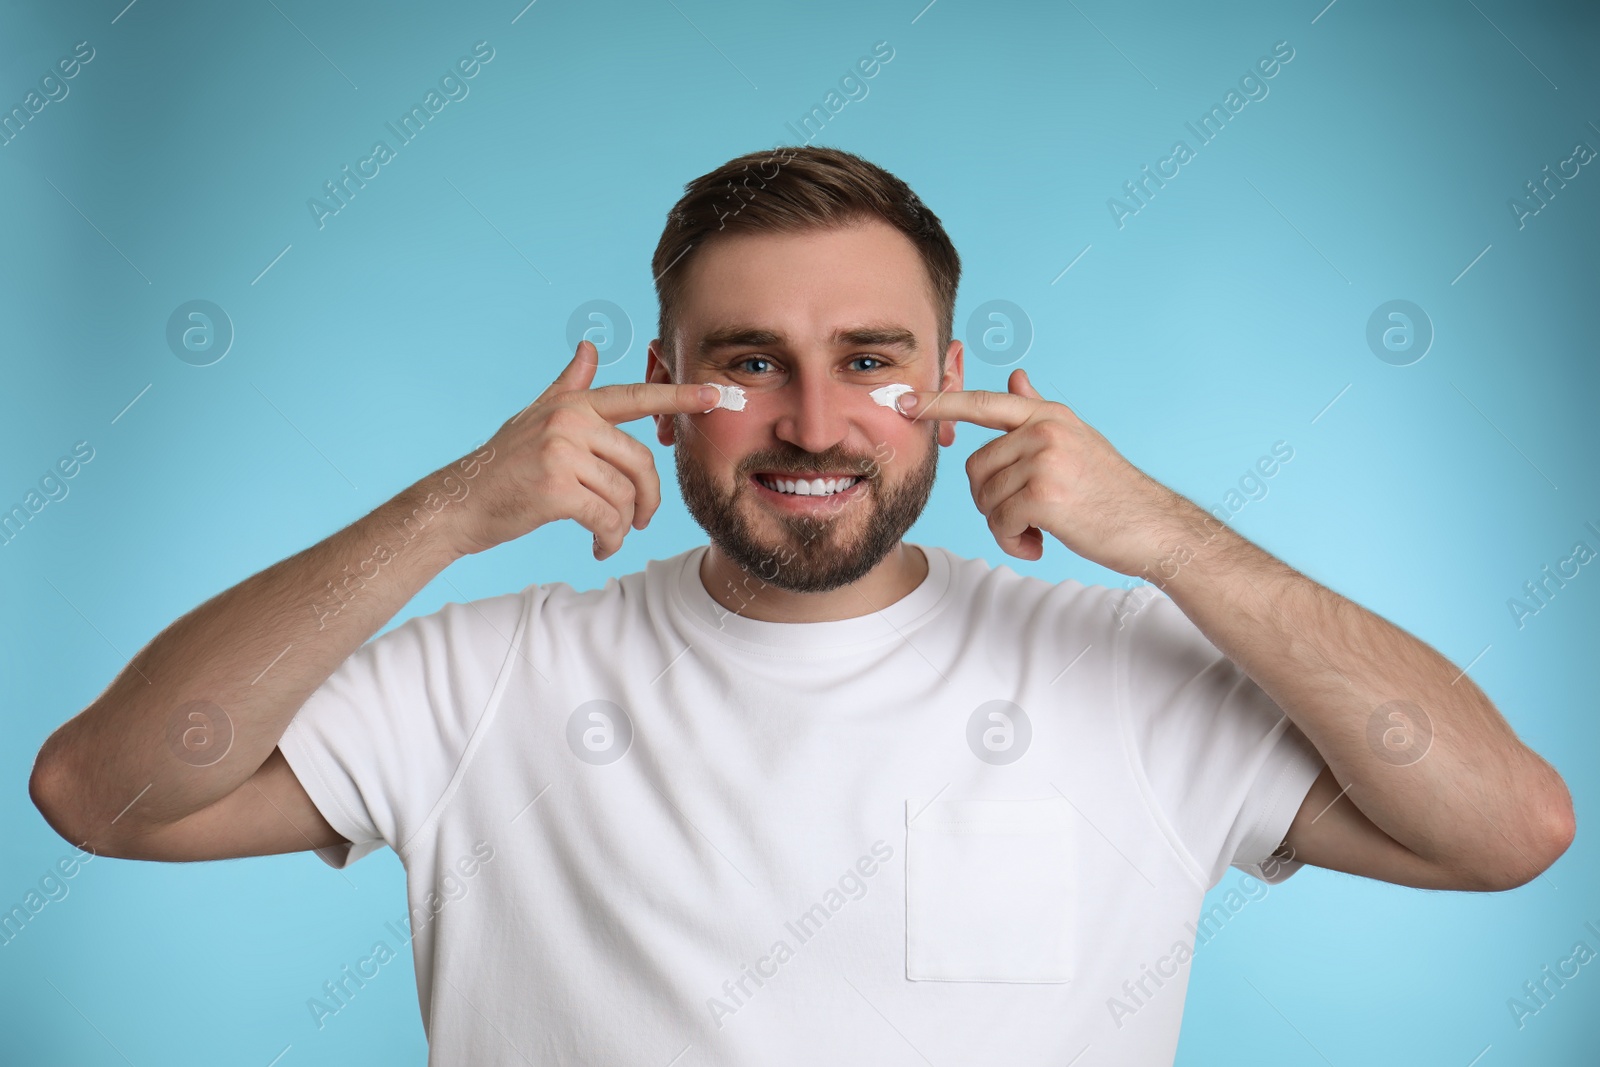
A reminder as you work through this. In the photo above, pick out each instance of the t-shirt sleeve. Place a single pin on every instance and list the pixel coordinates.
(1226, 769)
(378, 743)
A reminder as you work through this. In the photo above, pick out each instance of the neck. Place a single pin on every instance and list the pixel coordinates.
(745, 594)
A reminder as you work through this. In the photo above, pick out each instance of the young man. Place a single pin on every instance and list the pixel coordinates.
(808, 793)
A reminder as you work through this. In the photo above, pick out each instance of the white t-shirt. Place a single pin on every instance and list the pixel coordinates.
(974, 825)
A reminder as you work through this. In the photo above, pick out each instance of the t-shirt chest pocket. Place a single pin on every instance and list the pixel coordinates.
(991, 890)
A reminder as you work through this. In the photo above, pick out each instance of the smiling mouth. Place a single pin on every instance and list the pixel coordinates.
(817, 486)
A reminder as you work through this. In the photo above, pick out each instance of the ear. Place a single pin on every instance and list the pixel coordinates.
(951, 382)
(655, 370)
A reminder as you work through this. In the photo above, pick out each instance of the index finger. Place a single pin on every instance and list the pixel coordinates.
(635, 400)
(997, 411)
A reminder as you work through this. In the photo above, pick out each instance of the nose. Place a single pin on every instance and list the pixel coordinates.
(814, 411)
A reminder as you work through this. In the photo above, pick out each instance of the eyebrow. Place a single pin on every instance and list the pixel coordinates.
(877, 335)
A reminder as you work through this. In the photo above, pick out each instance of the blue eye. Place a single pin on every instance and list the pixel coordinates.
(742, 363)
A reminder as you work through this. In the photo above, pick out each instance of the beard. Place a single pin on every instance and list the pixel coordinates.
(817, 553)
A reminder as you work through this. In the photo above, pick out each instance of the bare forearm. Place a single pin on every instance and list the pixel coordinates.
(1478, 808)
(199, 709)
(1422, 751)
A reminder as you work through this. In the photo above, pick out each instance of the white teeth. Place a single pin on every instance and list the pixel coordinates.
(815, 487)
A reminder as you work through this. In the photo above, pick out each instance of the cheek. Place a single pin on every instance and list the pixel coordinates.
(899, 444)
(718, 439)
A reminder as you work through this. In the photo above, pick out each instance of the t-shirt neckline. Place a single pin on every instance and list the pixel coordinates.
(887, 623)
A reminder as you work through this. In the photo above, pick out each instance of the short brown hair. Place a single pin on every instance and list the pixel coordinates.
(790, 189)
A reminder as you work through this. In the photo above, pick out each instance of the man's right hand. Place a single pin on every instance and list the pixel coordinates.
(562, 457)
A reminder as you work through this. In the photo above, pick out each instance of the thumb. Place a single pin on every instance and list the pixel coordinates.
(580, 372)
(1020, 385)
(577, 374)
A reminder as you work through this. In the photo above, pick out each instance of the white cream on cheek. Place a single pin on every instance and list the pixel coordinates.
(887, 395)
(732, 397)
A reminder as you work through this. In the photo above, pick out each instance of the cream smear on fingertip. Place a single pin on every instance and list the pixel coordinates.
(732, 397)
(889, 395)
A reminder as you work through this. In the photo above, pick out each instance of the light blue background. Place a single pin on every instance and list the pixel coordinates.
(1225, 316)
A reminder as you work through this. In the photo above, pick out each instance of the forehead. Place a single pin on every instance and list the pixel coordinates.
(807, 286)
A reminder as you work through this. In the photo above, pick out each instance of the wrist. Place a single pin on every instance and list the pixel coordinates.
(425, 519)
(443, 503)
(1183, 535)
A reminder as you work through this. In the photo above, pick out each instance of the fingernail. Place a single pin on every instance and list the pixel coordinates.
(709, 396)
(907, 403)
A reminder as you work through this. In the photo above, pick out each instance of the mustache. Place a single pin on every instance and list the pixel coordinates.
(865, 467)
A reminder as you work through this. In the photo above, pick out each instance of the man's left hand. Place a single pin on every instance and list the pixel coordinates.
(1051, 471)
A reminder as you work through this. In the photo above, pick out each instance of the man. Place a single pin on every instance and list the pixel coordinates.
(809, 793)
